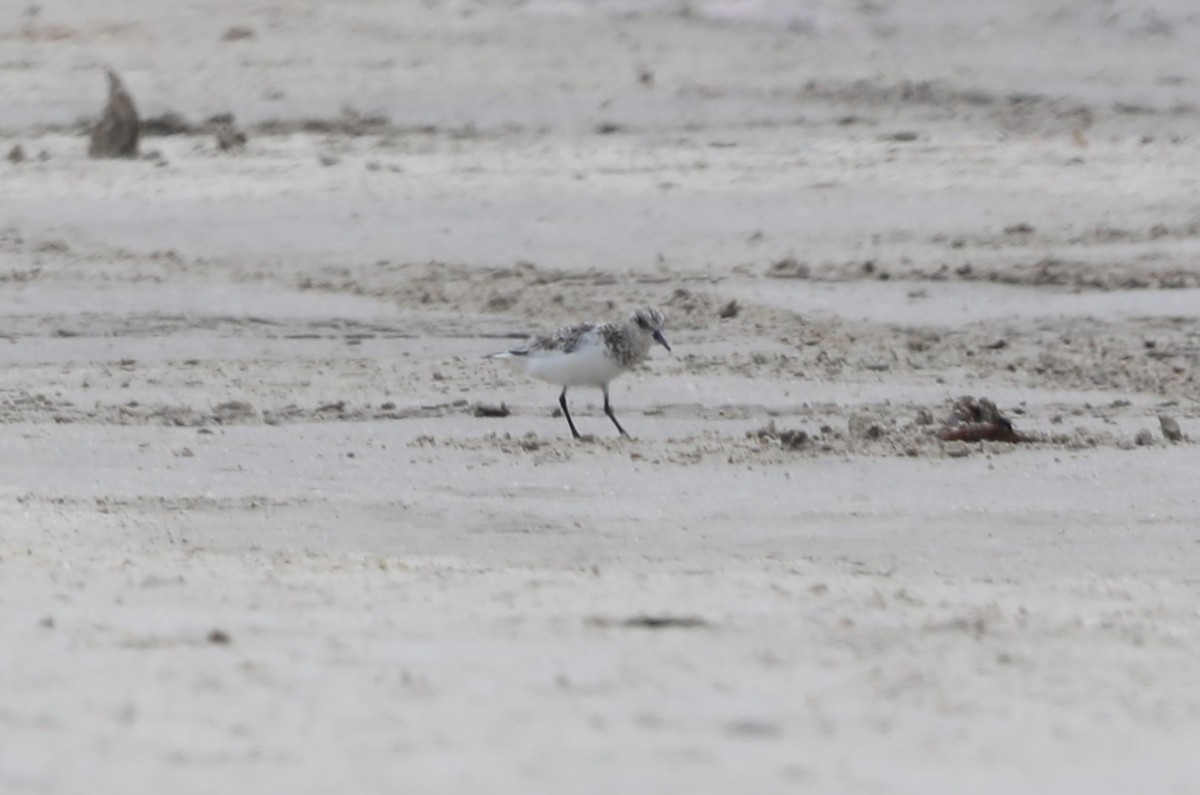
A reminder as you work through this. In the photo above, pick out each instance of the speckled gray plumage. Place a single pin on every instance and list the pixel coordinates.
(628, 343)
(564, 340)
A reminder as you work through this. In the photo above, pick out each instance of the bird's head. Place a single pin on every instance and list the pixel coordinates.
(650, 322)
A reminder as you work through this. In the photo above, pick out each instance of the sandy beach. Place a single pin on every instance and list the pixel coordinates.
(258, 532)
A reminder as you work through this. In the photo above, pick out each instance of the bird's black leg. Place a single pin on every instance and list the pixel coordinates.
(608, 410)
(562, 401)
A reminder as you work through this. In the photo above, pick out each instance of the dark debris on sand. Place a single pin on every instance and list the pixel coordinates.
(978, 420)
(787, 439)
(653, 621)
(116, 133)
(490, 410)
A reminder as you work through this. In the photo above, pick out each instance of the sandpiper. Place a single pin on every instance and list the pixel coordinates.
(590, 354)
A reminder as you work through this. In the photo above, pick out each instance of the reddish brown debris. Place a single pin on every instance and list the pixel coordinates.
(979, 420)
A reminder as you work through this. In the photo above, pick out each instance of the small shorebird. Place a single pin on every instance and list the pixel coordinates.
(590, 354)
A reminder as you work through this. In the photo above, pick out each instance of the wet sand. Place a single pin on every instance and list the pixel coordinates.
(255, 534)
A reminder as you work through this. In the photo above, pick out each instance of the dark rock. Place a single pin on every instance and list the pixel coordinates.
(116, 134)
(1170, 428)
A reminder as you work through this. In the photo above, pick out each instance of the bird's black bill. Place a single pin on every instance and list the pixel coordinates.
(660, 339)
